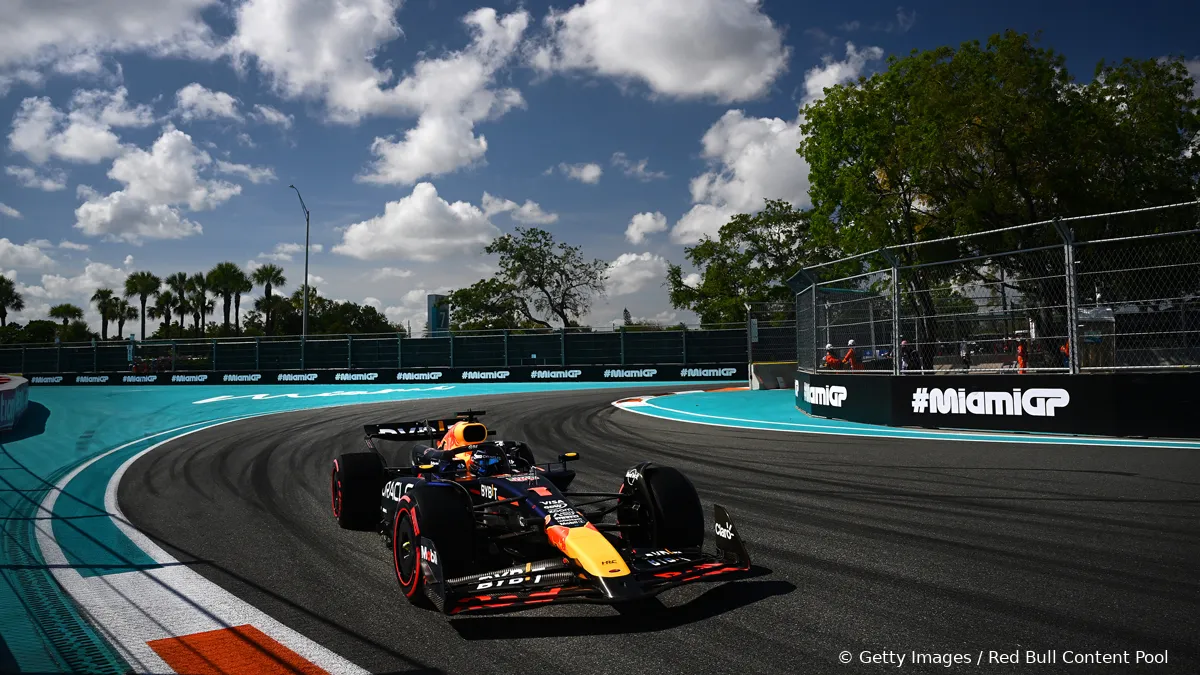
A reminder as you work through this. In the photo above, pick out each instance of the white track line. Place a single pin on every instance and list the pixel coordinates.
(133, 608)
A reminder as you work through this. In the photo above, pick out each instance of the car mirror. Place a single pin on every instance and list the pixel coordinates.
(568, 457)
(425, 467)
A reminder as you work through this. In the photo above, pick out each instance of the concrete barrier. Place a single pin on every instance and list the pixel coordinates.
(14, 399)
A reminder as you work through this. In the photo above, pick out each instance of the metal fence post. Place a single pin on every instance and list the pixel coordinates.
(58, 359)
(95, 356)
(683, 336)
(302, 342)
(22, 358)
(505, 347)
(257, 350)
(622, 345)
(349, 351)
(451, 338)
(1072, 295)
(174, 349)
(562, 348)
(399, 350)
(896, 355)
(214, 357)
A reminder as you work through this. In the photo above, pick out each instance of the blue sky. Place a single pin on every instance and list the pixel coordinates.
(162, 135)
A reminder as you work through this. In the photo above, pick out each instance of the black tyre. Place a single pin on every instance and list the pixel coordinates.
(440, 512)
(356, 484)
(664, 506)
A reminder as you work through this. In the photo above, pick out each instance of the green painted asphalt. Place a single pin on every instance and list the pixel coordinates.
(65, 427)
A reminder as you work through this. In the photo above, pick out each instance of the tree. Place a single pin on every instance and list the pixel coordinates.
(627, 316)
(538, 277)
(123, 311)
(178, 283)
(9, 299)
(242, 284)
(67, 313)
(198, 301)
(38, 331)
(750, 261)
(269, 277)
(489, 304)
(950, 142)
(163, 309)
(224, 279)
(142, 285)
(104, 299)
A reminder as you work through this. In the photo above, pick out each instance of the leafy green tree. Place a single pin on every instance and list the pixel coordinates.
(9, 299)
(270, 277)
(750, 261)
(123, 311)
(163, 309)
(78, 331)
(39, 331)
(489, 304)
(241, 284)
(67, 313)
(538, 277)
(105, 300)
(178, 283)
(142, 285)
(225, 280)
(198, 301)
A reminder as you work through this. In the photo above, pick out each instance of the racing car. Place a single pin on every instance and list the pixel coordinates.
(475, 524)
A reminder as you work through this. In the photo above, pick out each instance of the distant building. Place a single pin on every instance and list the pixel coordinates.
(438, 317)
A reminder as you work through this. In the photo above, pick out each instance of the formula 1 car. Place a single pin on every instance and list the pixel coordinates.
(476, 524)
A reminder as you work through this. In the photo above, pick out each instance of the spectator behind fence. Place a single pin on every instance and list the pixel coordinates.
(1065, 350)
(832, 362)
(850, 360)
(1022, 357)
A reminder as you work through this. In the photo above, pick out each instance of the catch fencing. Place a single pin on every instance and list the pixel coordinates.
(1070, 295)
(482, 349)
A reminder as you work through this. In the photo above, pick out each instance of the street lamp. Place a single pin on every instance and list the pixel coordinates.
(304, 316)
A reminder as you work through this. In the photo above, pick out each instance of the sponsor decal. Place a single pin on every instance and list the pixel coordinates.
(1036, 402)
(707, 372)
(42, 379)
(632, 476)
(485, 375)
(241, 378)
(724, 531)
(323, 394)
(506, 578)
(664, 557)
(830, 394)
(617, 372)
(189, 378)
(394, 490)
(562, 513)
(91, 379)
(555, 374)
(407, 431)
(295, 377)
(523, 478)
(487, 491)
(139, 378)
(429, 555)
(432, 375)
(355, 377)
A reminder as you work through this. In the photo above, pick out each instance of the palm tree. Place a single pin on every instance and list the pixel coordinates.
(223, 281)
(67, 312)
(123, 311)
(103, 297)
(178, 283)
(9, 299)
(243, 285)
(269, 277)
(164, 307)
(198, 299)
(143, 285)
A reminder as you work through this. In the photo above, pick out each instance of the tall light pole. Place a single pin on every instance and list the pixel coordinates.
(304, 315)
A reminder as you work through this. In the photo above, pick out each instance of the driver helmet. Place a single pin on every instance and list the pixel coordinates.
(488, 460)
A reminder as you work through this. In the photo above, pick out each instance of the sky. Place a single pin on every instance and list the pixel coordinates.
(162, 135)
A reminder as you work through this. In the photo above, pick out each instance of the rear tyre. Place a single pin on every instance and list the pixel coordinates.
(440, 512)
(665, 508)
(356, 484)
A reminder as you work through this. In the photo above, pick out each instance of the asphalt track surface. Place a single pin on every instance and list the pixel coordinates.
(860, 545)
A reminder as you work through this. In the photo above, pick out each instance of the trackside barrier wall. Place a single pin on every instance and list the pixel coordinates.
(380, 376)
(14, 399)
(1118, 404)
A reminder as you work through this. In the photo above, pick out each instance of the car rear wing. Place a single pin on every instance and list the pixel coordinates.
(420, 430)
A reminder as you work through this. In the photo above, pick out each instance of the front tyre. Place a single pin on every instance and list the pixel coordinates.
(355, 484)
(440, 512)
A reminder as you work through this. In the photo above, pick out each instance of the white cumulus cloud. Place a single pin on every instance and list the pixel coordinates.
(727, 50)
(83, 134)
(638, 169)
(255, 174)
(631, 272)
(50, 180)
(197, 102)
(283, 252)
(9, 211)
(157, 183)
(421, 226)
(585, 172)
(529, 213)
(269, 115)
(22, 256)
(754, 158)
(644, 224)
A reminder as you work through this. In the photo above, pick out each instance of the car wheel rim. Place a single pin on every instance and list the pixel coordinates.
(405, 552)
